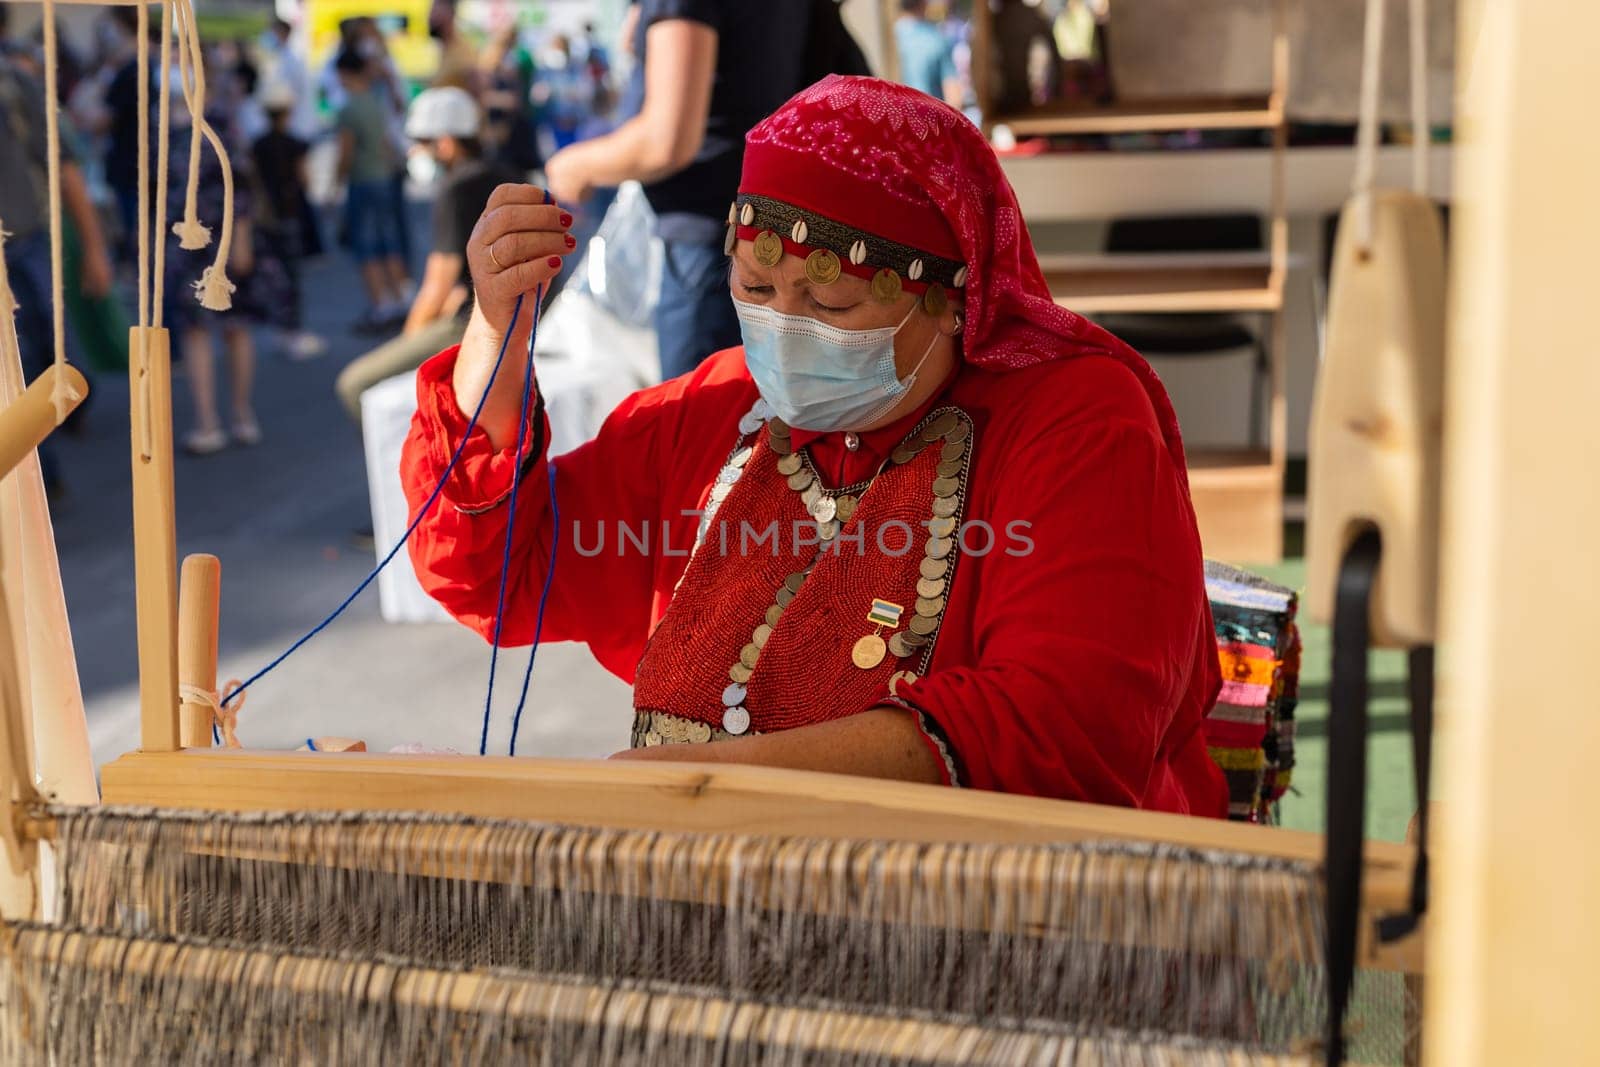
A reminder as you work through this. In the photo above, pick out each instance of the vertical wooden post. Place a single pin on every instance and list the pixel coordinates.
(199, 598)
(155, 539)
(1514, 932)
(19, 857)
(983, 64)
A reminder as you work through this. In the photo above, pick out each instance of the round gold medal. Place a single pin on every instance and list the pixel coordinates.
(935, 300)
(768, 248)
(868, 652)
(822, 267)
(886, 286)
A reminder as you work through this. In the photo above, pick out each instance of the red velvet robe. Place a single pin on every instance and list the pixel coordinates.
(1079, 669)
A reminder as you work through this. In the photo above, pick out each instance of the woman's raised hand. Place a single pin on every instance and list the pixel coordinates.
(517, 245)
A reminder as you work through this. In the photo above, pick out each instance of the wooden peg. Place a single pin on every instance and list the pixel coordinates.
(199, 597)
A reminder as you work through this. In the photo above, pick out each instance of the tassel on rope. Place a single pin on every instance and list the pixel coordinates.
(193, 234)
(214, 289)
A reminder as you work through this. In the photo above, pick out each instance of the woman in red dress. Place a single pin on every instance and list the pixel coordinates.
(924, 524)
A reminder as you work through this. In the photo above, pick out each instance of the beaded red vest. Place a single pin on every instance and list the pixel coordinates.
(803, 601)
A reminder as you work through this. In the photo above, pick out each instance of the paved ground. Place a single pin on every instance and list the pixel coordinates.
(281, 518)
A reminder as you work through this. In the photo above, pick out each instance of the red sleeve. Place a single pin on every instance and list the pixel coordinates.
(1081, 676)
(602, 598)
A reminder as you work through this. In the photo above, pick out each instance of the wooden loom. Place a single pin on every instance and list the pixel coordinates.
(175, 770)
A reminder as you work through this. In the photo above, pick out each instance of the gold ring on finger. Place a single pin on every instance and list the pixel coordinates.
(495, 259)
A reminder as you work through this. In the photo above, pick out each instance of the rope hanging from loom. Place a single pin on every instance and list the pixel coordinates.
(214, 289)
(163, 124)
(1367, 124)
(52, 125)
(193, 234)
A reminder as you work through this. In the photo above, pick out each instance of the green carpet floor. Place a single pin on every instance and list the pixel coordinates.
(1391, 796)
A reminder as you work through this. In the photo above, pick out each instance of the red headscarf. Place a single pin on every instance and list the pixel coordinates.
(892, 161)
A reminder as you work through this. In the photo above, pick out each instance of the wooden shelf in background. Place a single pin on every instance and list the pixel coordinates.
(1238, 501)
(1146, 116)
(1176, 283)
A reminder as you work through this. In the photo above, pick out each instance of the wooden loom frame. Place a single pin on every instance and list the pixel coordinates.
(175, 768)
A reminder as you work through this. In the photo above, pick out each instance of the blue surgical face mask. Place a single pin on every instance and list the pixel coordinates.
(820, 377)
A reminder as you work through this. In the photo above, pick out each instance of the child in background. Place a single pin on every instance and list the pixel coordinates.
(367, 162)
(280, 168)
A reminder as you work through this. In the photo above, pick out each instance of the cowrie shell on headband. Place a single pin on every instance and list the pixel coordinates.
(960, 278)
(914, 272)
(798, 233)
(858, 253)
(747, 215)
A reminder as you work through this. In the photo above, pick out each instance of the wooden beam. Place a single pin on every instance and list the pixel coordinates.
(26, 423)
(1511, 977)
(704, 798)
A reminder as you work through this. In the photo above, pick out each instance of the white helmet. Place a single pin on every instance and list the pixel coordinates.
(443, 112)
(278, 96)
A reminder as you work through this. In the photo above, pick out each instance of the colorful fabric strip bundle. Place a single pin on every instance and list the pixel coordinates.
(1250, 732)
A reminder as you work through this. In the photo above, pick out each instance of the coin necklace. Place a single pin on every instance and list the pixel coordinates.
(830, 513)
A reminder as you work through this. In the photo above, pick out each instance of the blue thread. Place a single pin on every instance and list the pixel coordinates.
(544, 595)
(511, 530)
(438, 490)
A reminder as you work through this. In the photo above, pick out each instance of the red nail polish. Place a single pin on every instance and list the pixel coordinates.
(572, 242)
(566, 220)
(555, 261)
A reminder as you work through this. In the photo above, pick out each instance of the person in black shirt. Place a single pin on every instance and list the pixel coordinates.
(447, 123)
(712, 69)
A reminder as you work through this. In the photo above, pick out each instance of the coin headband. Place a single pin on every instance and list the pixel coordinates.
(804, 234)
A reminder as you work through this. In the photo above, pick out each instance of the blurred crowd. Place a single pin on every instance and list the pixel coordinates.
(342, 156)
(368, 141)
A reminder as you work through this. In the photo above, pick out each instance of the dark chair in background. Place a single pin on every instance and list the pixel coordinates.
(1192, 334)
